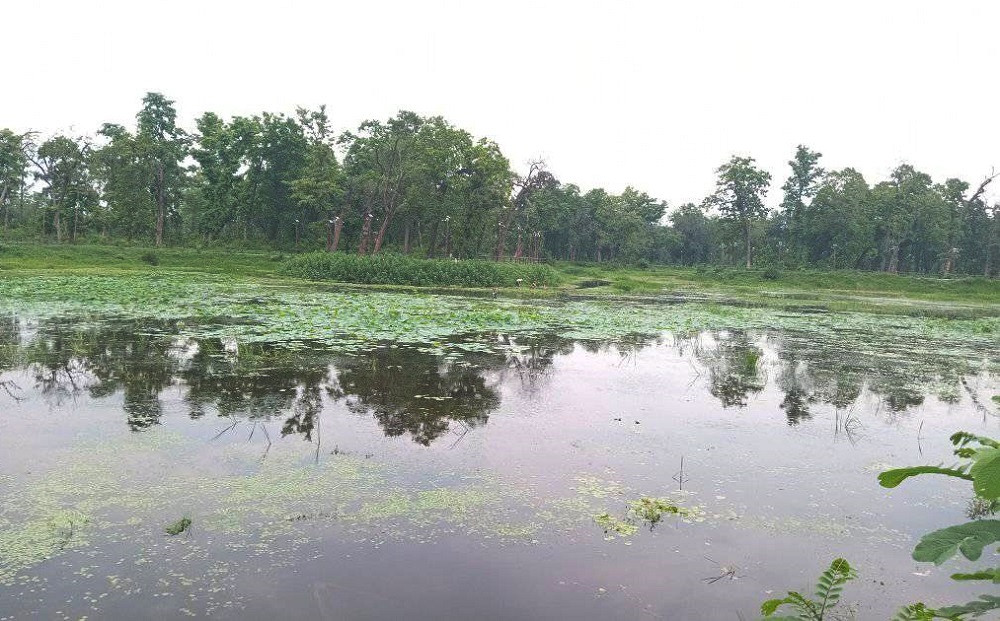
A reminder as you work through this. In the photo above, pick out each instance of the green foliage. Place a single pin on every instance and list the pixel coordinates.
(646, 510)
(149, 258)
(969, 539)
(829, 588)
(178, 527)
(982, 468)
(391, 269)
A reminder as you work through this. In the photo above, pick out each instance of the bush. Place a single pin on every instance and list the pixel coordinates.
(771, 273)
(394, 269)
(149, 257)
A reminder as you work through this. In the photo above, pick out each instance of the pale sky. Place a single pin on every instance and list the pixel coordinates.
(650, 94)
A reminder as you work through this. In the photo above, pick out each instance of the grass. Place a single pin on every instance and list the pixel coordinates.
(394, 269)
(838, 291)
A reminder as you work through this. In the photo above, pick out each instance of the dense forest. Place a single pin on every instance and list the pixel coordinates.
(419, 185)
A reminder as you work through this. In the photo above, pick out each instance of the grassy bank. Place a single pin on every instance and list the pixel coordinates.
(831, 290)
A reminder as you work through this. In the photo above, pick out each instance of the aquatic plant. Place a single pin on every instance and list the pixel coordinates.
(829, 588)
(394, 269)
(645, 510)
(615, 526)
(178, 527)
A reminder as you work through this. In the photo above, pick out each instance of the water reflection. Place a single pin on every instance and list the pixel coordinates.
(422, 393)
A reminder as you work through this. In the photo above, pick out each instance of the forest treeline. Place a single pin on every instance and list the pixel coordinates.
(421, 186)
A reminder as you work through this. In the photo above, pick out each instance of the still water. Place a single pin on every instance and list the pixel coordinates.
(421, 483)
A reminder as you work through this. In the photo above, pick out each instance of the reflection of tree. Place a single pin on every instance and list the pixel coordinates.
(258, 382)
(733, 368)
(528, 357)
(415, 393)
(9, 338)
(423, 394)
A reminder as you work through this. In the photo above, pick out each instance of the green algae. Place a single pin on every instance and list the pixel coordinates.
(178, 527)
(349, 320)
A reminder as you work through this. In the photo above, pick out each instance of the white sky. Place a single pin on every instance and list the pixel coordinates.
(652, 94)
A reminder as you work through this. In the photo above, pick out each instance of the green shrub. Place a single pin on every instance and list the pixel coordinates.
(771, 273)
(149, 257)
(394, 269)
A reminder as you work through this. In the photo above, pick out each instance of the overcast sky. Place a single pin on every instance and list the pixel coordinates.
(650, 94)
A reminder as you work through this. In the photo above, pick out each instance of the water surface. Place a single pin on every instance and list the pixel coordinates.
(461, 479)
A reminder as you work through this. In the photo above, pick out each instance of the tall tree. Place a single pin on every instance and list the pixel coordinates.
(318, 188)
(378, 157)
(800, 187)
(61, 164)
(526, 187)
(739, 196)
(163, 146)
(13, 169)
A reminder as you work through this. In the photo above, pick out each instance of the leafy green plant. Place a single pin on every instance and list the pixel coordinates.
(981, 466)
(394, 269)
(149, 257)
(178, 527)
(647, 510)
(829, 588)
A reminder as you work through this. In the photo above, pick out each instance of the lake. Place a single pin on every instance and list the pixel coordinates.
(479, 473)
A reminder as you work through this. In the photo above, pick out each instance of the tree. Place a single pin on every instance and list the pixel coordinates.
(13, 169)
(739, 196)
(61, 164)
(162, 146)
(800, 187)
(697, 236)
(378, 157)
(537, 179)
(318, 188)
(122, 176)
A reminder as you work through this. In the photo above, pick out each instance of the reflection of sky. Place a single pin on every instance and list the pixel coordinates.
(541, 413)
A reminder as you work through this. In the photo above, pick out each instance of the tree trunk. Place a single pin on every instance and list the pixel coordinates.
(58, 227)
(6, 208)
(747, 235)
(337, 225)
(381, 233)
(432, 242)
(519, 250)
(366, 232)
(406, 239)
(160, 204)
(329, 236)
(893, 259)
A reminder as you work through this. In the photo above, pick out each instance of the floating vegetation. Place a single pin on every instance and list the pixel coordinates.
(178, 527)
(651, 510)
(39, 538)
(616, 526)
(648, 511)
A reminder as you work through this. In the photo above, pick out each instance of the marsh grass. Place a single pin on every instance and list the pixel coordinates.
(393, 269)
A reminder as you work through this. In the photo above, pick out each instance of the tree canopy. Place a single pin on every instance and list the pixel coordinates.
(420, 185)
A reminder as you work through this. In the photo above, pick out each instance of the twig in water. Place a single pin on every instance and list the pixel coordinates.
(268, 436)
(919, 429)
(679, 477)
(226, 430)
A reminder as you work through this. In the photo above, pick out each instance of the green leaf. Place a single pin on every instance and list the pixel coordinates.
(767, 608)
(969, 539)
(986, 473)
(892, 478)
(976, 608)
(987, 574)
